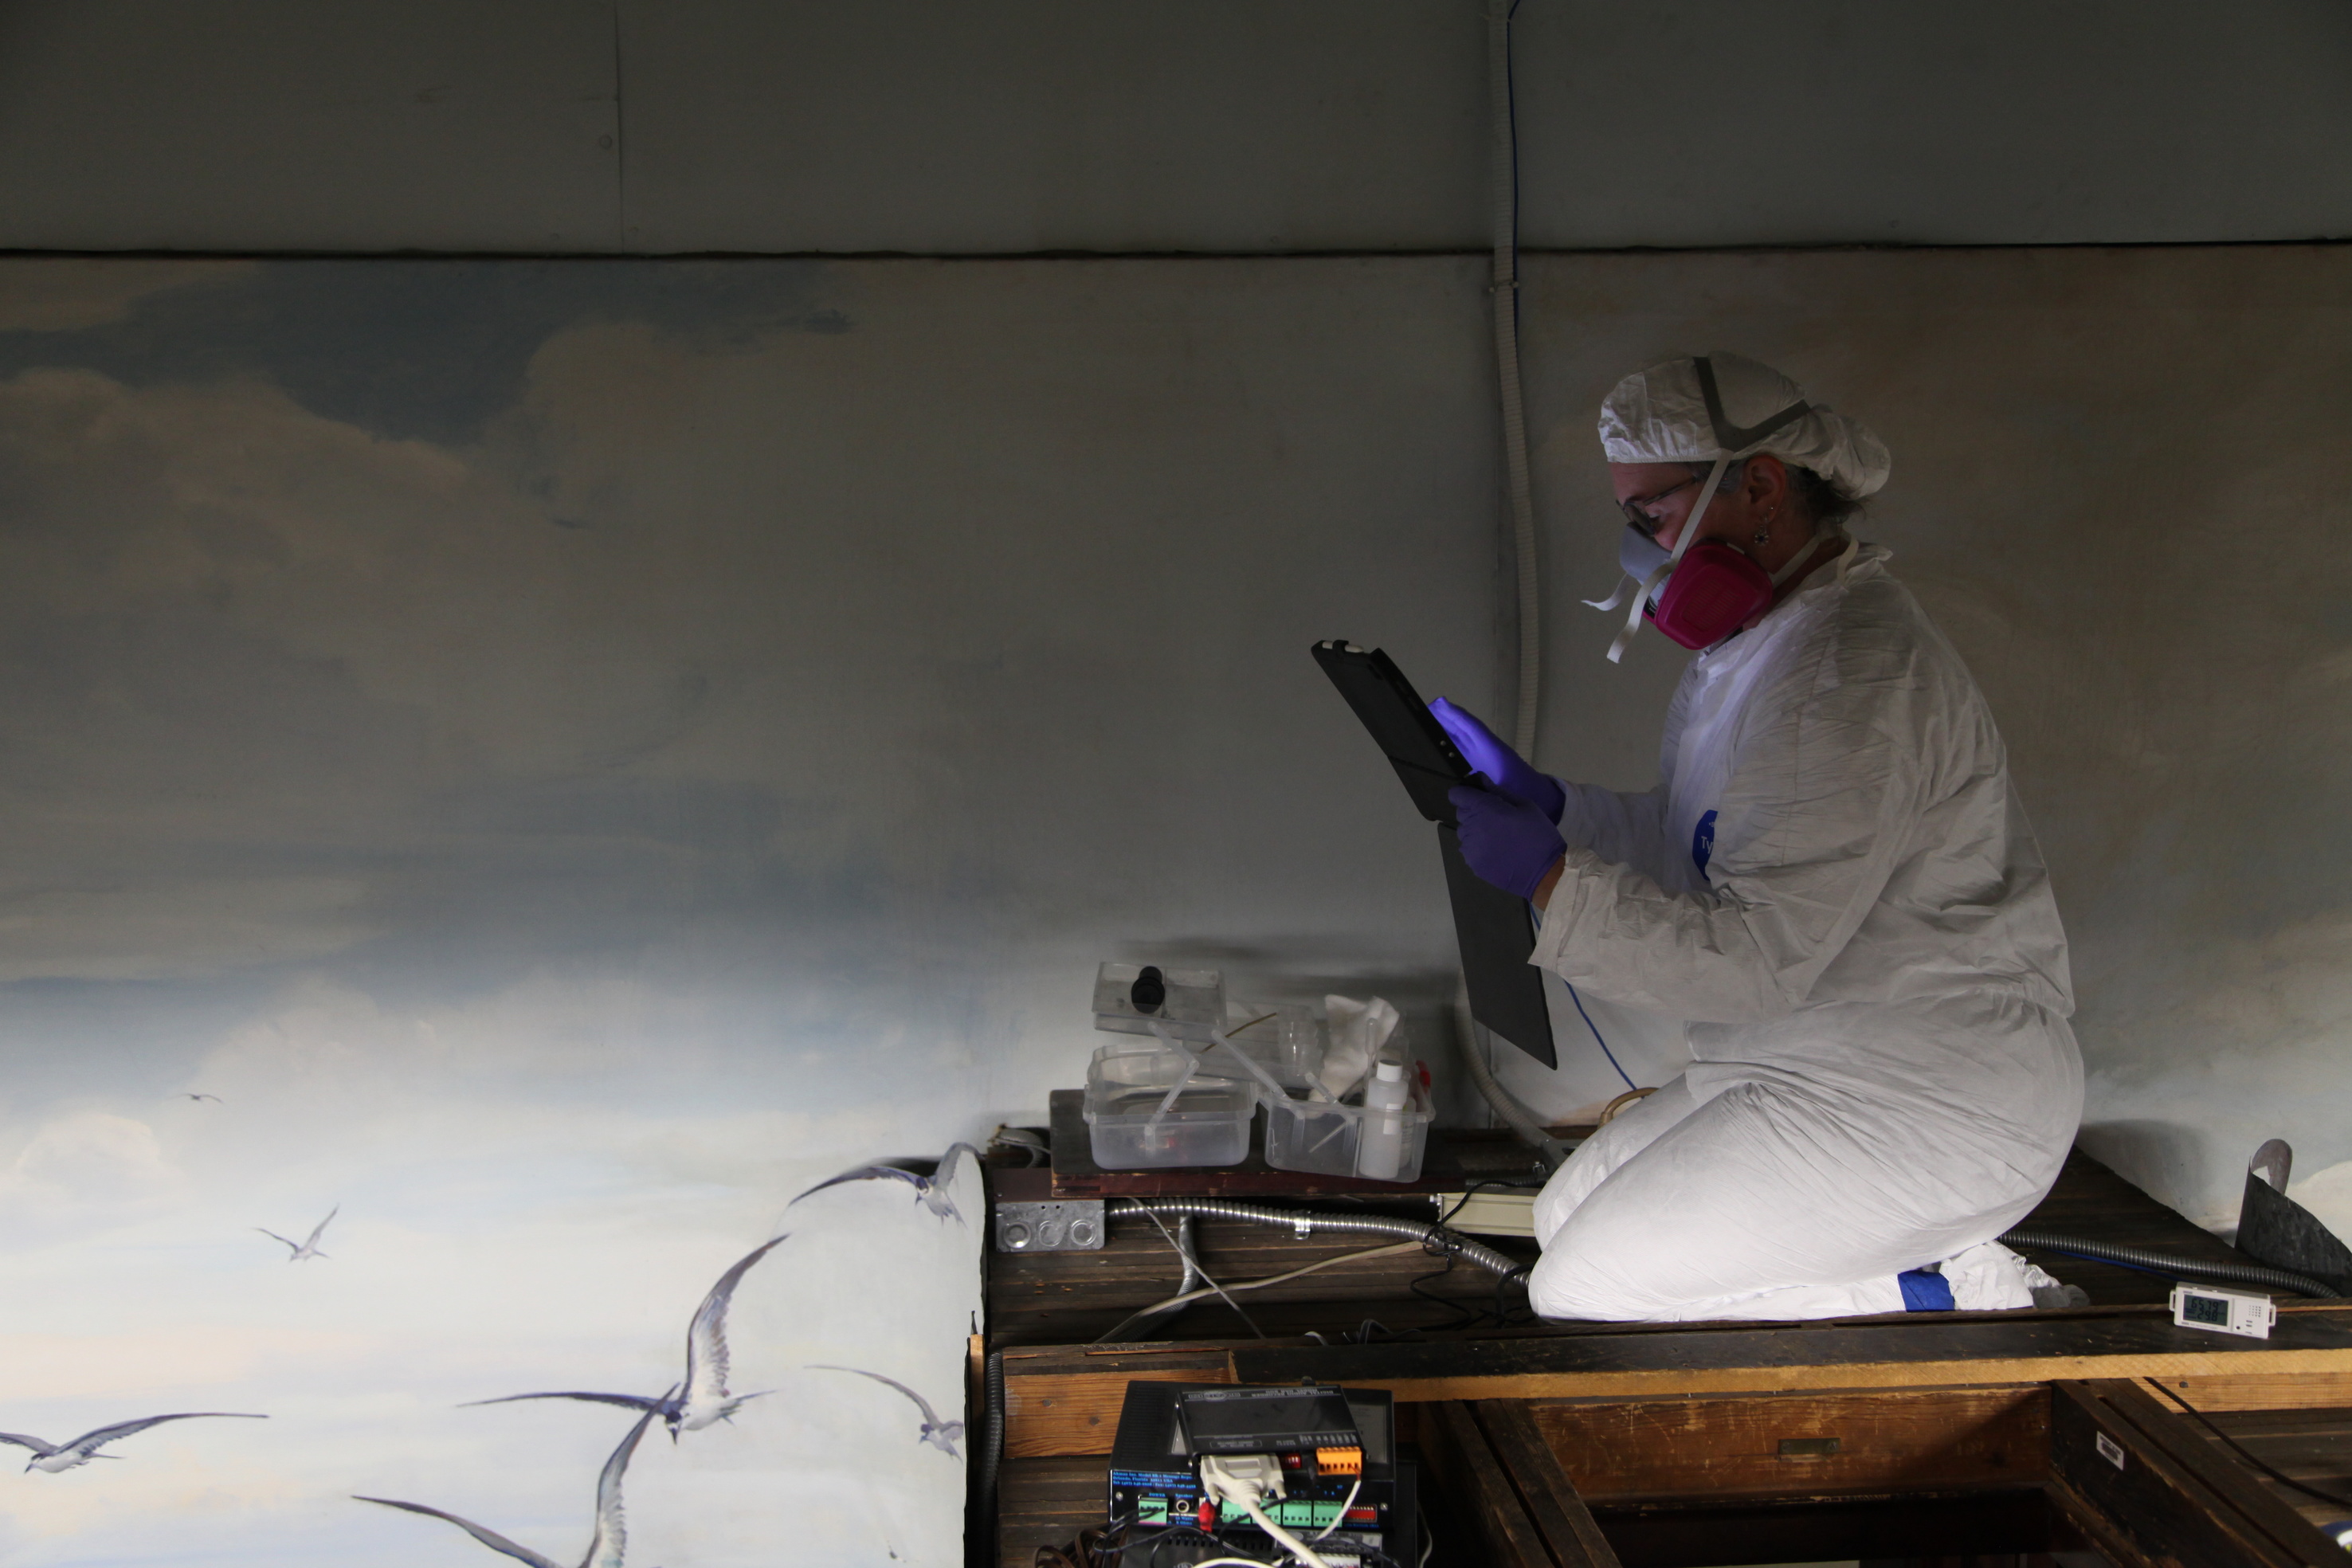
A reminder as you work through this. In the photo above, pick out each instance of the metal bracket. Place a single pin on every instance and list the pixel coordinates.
(1067, 1225)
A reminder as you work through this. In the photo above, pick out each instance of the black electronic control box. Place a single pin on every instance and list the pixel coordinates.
(1331, 1443)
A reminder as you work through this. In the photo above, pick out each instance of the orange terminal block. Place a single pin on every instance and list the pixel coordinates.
(1339, 1461)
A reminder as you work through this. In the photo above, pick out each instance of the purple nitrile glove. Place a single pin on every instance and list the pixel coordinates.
(1506, 841)
(1486, 752)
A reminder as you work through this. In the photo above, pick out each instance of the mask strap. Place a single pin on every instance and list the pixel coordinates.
(1803, 550)
(1681, 544)
(1615, 599)
(1729, 439)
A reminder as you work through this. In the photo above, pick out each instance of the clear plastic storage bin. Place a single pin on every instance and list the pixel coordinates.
(1307, 1134)
(1207, 1124)
(1191, 1002)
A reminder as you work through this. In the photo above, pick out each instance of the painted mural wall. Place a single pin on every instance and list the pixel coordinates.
(535, 765)
(558, 758)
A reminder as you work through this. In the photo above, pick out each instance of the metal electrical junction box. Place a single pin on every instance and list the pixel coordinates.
(1066, 1224)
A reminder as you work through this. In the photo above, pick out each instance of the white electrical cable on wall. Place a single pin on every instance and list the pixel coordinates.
(1503, 159)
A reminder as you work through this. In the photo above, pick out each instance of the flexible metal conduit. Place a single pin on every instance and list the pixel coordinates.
(2166, 1263)
(1303, 1221)
(992, 1458)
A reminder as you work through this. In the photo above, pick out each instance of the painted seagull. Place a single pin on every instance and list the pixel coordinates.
(51, 1457)
(702, 1400)
(606, 1547)
(940, 1435)
(933, 1192)
(305, 1249)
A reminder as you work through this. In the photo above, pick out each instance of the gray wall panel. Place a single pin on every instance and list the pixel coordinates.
(1219, 125)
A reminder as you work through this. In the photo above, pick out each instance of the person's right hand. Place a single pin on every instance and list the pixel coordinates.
(1486, 752)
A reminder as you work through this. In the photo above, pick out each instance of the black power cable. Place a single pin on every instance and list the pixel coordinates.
(2276, 1473)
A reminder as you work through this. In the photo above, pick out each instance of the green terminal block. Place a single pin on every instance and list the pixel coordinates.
(1151, 1511)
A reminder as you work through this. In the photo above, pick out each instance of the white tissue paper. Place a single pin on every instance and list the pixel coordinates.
(1358, 1031)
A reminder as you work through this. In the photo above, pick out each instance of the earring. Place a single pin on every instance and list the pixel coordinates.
(1762, 536)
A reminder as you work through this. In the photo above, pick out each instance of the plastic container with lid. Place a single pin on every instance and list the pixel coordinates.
(1382, 1141)
(1130, 998)
(1207, 1123)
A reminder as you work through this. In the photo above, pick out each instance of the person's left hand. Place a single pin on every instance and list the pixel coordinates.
(1506, 841)
(1491, 756)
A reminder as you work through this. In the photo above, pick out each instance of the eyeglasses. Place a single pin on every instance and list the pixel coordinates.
(1636, 508)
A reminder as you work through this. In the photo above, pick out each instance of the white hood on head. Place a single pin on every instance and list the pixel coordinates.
(1660, 415)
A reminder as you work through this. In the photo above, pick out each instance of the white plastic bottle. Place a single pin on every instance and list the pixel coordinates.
(1380, 1151)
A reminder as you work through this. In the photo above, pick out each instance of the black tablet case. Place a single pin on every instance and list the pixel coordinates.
(1492, 927)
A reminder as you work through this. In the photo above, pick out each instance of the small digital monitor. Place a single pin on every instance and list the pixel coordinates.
(1267, 1420)
(2211, 1309)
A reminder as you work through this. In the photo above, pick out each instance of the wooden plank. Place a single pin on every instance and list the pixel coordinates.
(1782, 1445)
(2139, 1491)
(1045, 1503)
(1479, 1491)
(2313, 1447)
(1976, 1527)
(1069, 1402)
(1061, 1298)
(1544, 1488)
(1076, 1414)
(2020, 1348)
(2090, 1199)
(2186, 1441)
(2239, 1391)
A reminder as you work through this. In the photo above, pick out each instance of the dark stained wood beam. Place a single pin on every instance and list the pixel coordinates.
(1768, 1445)
(1480, 1492)
(1065, 1399)
(2153, 1493)
(1544, 1488)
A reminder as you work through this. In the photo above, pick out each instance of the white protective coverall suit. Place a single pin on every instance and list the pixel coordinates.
(1835, 888)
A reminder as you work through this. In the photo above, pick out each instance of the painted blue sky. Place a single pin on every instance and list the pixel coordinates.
(571, 755)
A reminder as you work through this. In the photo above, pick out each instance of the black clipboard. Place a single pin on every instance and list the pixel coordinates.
(1493, 928)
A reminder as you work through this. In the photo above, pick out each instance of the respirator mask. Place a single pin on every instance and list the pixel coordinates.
(1708, 593)
(1705, 589)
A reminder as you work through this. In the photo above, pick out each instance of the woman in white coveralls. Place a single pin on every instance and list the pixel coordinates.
(1833, 886)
